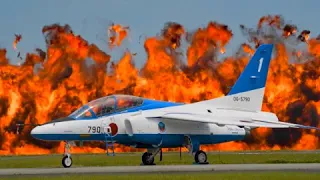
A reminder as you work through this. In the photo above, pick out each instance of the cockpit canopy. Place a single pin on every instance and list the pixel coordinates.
(106, 105)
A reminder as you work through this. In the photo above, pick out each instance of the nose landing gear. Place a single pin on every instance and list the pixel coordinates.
(67, 160)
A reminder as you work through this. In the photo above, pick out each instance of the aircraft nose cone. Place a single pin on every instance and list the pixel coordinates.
(35, 132)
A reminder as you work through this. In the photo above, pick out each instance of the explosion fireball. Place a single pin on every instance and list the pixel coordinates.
(66, 81)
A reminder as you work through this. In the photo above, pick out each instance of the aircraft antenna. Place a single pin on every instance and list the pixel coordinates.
(22, 125)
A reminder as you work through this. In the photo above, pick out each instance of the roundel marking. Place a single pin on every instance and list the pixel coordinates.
(161, 126)
(114, 129)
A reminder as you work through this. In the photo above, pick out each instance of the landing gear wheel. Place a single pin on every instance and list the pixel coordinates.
(200, 157)
(66, 161)
(146, 160)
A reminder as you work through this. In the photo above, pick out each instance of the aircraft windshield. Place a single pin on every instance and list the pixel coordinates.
(81, 112)
(106, 105)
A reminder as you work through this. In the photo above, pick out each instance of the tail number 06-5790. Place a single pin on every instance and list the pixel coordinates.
(241, 99)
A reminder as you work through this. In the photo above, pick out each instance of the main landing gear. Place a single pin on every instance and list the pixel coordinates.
(193, 146)
(200, 157)
(67, 160)
(148, 157)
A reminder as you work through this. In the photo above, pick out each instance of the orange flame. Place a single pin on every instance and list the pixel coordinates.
(72, 72)
(117, 34)
(16, 40)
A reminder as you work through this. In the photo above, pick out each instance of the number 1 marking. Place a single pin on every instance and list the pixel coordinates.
(260, 64)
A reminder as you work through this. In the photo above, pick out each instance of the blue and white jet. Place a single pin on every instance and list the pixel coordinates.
(151, 124)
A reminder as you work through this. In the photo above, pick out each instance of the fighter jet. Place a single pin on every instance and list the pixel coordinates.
(152, 124)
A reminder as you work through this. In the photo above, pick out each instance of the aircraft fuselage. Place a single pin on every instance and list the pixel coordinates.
(132, 129)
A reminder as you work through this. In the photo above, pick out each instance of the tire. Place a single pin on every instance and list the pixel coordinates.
(67, 161)
(145, 158)
(200, 157)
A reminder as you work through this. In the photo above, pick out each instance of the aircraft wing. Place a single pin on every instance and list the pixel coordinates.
(254, 123)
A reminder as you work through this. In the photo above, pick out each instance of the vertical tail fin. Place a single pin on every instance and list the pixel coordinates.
(248, 91)
(254, 76)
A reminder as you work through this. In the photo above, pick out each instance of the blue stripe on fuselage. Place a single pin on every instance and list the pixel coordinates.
(168, 140)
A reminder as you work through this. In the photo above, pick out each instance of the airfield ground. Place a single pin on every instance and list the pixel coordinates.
(187, 176)
(134, 159)
(170, 158)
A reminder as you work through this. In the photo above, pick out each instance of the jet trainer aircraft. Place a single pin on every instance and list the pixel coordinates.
(145, 123)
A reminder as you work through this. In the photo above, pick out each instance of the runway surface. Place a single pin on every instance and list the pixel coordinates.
(174, 153)
(310, 167)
